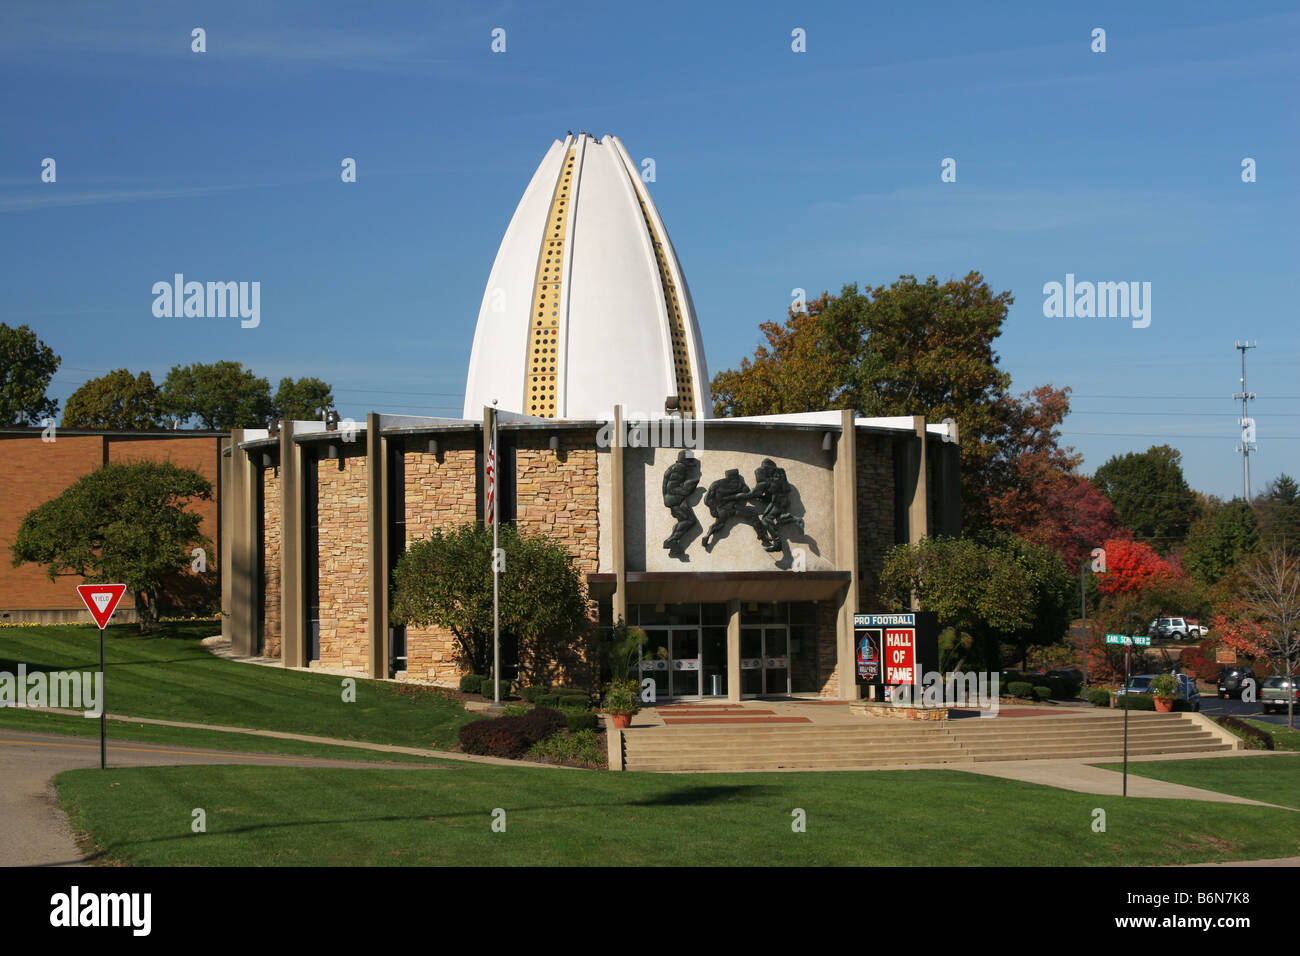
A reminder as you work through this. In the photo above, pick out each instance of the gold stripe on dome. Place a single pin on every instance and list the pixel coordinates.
(544, 319)
(676, 326)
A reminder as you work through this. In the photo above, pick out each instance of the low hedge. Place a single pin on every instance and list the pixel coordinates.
(1146, 702)
(1022, 689)
(563, 699)
(1256, 739)
(578, 720)
(1062, 688)
(1099, 697)
(1042, 693)
(531, 694)
(510, 736)
(485, 688)
(470, 683)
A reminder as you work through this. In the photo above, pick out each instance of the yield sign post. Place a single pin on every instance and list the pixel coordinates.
(101, 601)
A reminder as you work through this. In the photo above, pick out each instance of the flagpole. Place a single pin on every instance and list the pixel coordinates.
(496, 572)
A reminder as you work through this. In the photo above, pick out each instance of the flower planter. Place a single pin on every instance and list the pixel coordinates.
(1164, 705)
(621, 721)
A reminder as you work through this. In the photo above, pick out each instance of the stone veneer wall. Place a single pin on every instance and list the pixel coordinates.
(875, 489)
(440, 493)
(342, 540)
(271, 561)
(556, 494)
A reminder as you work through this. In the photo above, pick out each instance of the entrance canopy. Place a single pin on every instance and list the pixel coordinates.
(682, 587)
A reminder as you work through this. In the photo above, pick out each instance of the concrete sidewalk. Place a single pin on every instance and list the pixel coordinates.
(1083, 778)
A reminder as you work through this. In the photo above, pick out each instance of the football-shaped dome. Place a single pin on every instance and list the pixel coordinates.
(586, 306)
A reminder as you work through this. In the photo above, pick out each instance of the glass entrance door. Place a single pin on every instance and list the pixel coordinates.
(671, 658)
(764, 660)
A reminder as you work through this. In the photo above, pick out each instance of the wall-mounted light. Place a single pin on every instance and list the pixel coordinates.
(673, 404)
(433, 446)
(267, 461)
(555, 443)
(828, 441)
(332, 451)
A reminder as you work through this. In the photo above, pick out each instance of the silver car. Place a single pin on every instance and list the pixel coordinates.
(1275, 691)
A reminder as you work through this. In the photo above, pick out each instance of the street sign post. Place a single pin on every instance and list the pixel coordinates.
(101, 601)
(1141, 640)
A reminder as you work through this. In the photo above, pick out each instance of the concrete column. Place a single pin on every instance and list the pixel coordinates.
(239, 578)
(377, 506)
(733, 650)
(618, 546)
(844, 479)
(293, 635)
(918, 525)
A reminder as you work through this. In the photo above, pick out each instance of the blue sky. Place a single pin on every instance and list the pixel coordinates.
(774, 170)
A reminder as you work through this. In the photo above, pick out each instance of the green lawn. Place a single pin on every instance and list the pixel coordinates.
(169, 676)
(1270, 779)
(310, 817)
(1283, 739)
(126, 731)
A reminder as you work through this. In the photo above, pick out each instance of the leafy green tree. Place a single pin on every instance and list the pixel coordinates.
(1000, 590)
(124, 523)
(116, 400)
(911, 348)
(220, 395)
(1151, 497)
(1218, 541)
(26, 366)
(304, 400)
(1279, 514)
(446, 581)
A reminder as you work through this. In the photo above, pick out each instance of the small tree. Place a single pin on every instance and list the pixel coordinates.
(26, 366)
(221, 395)
(117, 400)
(446, 581)
(303, 400)
(1273, 600)
(125, 523)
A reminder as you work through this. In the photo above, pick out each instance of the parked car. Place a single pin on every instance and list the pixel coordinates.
(1141, 684)
(1275, 691)
(1230, 681)
(1171, 628)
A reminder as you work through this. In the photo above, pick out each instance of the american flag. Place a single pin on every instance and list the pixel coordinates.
(490, 497)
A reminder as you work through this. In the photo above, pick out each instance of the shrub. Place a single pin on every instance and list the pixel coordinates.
(576, 701)
(485, 688)
(1135, 702)
(470, 683)
(621, 697)
(1099, 697)
(1043, 693)
(531, 694)
(516, 710)
(584, 748)
(577, 720)
(1255, 738)
(1022, 689)
(510, 736)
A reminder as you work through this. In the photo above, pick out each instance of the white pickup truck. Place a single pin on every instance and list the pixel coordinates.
(1175, 628)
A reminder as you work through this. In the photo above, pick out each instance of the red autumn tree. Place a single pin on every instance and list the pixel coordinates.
(1132, 566)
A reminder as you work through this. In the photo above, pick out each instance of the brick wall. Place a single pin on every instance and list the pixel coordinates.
(440, 494)
(827, 648)
(343, 536)
(33, 471)
(875, 489)
(271, 561)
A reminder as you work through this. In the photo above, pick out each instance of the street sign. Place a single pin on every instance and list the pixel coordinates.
(101, 600)
(1137, 640)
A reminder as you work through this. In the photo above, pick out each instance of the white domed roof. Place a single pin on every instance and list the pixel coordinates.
(586, 306)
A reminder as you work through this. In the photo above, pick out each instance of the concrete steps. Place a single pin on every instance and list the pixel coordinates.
(888, 742)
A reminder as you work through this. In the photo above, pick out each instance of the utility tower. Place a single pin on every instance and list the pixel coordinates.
(1247, 423)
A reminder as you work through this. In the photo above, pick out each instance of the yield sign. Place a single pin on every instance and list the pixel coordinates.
(101, 600)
